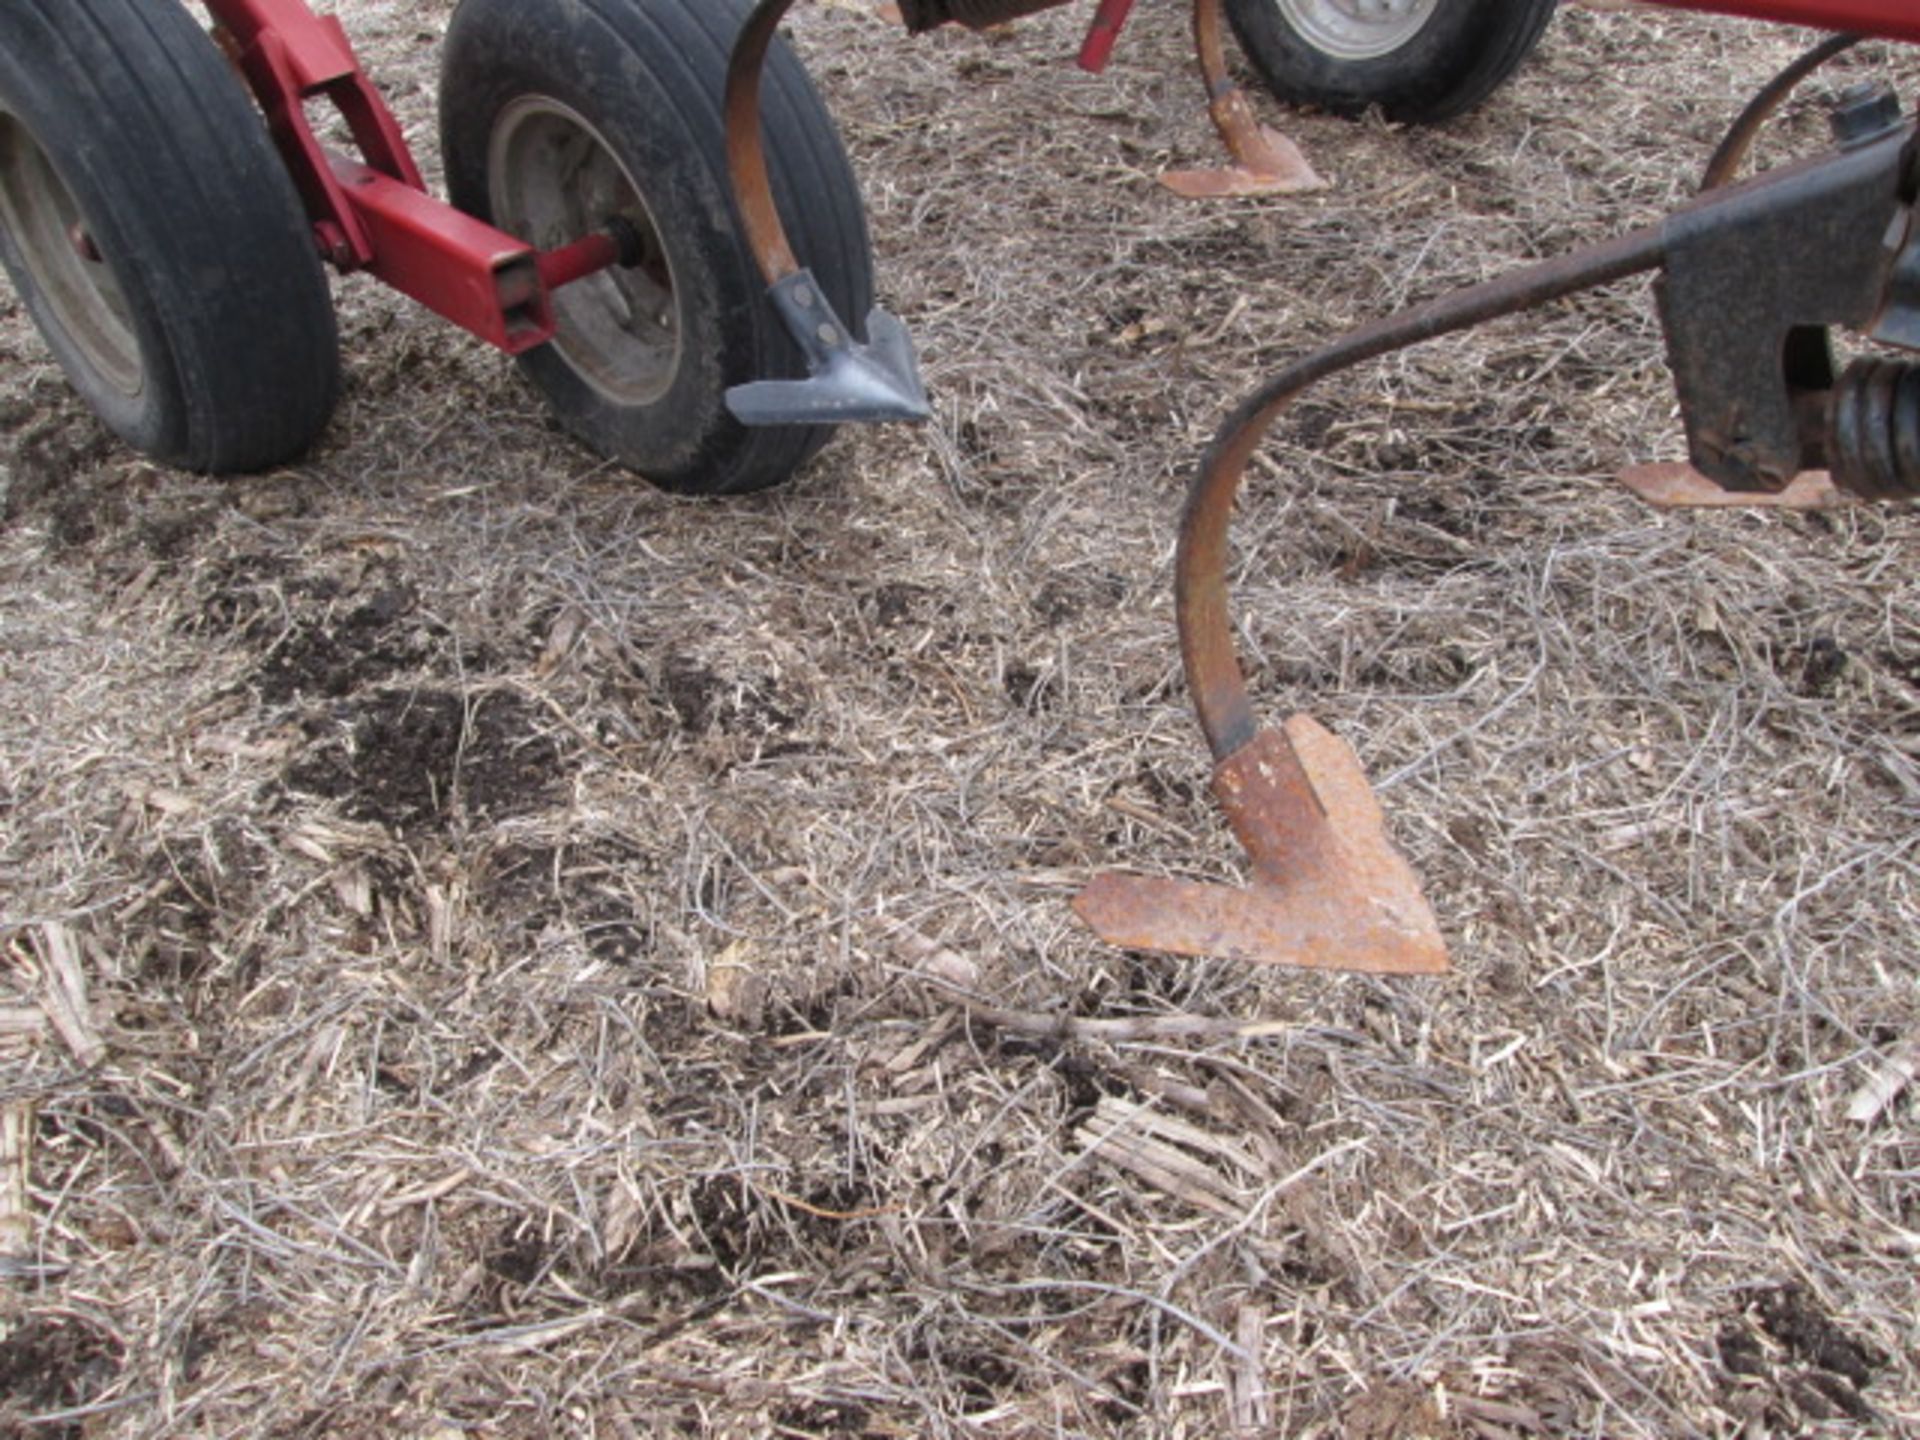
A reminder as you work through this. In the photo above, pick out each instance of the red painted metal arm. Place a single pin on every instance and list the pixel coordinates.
(1889, 19)
(370, 211)
(1101, 34)
(290, 55)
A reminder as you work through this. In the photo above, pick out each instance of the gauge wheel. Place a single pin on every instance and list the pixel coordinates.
(148, 225)
(560, 118)
(1418, 60)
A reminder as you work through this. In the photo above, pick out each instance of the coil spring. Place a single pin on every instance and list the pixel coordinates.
(1873, 441)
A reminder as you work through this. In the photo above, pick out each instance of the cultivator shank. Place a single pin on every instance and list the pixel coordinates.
(847, 379)
(1329, 892)
(1265, 162)
(1753, 277)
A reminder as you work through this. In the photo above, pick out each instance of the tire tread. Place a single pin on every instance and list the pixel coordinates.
(212, 237)
(1466, 51)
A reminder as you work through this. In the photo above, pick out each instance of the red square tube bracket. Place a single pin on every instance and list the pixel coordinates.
(315, 46)
(482, 279)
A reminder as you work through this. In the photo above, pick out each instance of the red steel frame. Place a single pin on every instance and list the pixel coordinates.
(373, 213)
(1888, 19)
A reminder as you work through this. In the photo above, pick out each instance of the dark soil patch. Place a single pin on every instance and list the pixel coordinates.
(237, 591)
(898, 601)
(411, 758)
(50, 1365)
(1795, 1319)
(179, 942)
(589, 886)
(190, 887)
(334, 654)
(322, 635)
(1789, 1360)
(518, 1255)
(706, 700)
(820, 1417)
(43, 462)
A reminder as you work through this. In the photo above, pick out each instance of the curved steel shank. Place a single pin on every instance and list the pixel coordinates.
(848, 379)
(1328, 889)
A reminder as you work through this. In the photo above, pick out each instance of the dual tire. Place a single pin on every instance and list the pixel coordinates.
(151, 229)
(154, 234)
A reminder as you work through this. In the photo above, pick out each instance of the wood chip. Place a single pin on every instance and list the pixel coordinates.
(1132, 1137)
(16, 1151)
(1892, 1073)
(63, 993)
(1252, 1409)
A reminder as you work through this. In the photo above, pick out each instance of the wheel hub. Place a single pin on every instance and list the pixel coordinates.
(55, 244)
(552, 178)
(1358, 29)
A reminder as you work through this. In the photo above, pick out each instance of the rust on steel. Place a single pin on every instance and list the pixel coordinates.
(746, 154)
(1676, 485)
(1200, 567)
(1328, 889)
(1265, 162)
(1200, 563)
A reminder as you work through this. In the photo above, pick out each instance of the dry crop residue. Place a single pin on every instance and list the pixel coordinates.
(522, 918)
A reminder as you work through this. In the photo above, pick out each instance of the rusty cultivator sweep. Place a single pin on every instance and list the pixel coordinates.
(651, 209)
(1265, 162)
(1753, 278)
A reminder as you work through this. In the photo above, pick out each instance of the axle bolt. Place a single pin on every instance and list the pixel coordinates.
(1863, 113)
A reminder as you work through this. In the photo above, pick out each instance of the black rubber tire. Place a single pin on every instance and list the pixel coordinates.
(200, 330)
(647, 77)
(1462, 54)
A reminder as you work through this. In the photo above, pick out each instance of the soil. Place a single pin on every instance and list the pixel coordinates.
(404, 758)
(494, 950)
(1787, 1359)
(50, 1365)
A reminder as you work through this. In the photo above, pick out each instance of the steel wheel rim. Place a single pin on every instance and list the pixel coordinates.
(55, 243)
(552, 178)
(1357, 29)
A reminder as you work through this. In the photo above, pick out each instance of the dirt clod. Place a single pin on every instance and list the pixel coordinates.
(1793, 1318)
(406, 758)
(49, 1365)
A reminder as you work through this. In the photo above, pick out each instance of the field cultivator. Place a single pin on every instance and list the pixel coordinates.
(651, 209)
(649, 206)
(1753, 279)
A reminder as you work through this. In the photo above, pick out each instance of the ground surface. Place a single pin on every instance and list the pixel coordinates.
(519, 914)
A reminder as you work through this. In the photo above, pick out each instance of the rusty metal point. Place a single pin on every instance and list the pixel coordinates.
(1329, 891)
(1328, 888)
(1265, 161)
(1678, 486)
